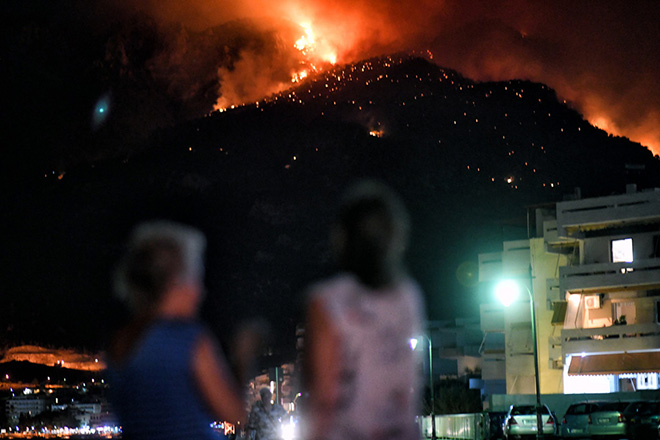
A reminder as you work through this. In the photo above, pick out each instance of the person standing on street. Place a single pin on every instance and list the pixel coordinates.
(168, 378)
(363, 377)
(265, 420)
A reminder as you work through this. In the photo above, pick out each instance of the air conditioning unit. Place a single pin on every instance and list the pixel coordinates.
(592, 302)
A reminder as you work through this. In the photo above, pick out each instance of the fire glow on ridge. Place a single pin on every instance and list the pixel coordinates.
(307, 45)
(310, 54)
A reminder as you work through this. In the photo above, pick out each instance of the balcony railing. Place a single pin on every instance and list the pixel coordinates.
(607, 211)
(613, 339)
(641, 274)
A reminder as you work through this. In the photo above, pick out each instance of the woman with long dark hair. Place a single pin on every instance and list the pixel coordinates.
(363, 377)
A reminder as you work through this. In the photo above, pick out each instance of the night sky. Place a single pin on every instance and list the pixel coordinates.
(91, 81)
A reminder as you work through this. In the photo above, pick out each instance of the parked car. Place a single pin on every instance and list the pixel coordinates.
(607, 420)
(575, 422)
(520, 422)
(643, 418)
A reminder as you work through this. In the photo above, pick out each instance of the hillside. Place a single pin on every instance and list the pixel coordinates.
(261, 181)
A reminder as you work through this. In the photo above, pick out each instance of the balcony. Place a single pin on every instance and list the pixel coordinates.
(613, 339)
(552, 238)
(456, 352)
(604, 277)
(603, 212)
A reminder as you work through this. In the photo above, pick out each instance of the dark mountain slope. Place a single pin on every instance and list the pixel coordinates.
(261, 180)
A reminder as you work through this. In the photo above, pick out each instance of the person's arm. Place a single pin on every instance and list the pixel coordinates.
(215, 383)
(322, 365)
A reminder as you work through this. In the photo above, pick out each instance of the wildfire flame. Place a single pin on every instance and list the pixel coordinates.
(316, 55)
(601, 122)
(309, 54)
(306, 41)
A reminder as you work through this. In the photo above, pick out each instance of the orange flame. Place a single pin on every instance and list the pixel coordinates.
(316, 54)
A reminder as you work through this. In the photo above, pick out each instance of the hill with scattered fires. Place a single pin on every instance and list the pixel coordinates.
(261, 179)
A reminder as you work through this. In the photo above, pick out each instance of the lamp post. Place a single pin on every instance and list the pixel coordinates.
(507, 292)
(413, 344)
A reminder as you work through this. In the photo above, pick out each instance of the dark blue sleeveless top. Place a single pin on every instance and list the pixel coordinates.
(153, 391)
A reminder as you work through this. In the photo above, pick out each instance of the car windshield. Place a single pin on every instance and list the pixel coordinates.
(613, 406)
(651, 408)
(525, 410)
(638, 408)
(580, 408)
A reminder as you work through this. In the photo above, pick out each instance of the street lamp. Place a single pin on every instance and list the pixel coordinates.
(507, 292)
(413, 344)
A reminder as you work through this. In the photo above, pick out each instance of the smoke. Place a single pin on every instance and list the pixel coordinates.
(597, 55)
(254, 76)
(602, 57)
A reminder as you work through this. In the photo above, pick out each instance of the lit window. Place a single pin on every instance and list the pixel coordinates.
(622, 250)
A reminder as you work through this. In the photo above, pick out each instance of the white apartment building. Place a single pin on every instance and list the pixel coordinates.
(592, 267)
(511, 359)
(85, 412)
(611, 337)
(455, 347)
(25, 404)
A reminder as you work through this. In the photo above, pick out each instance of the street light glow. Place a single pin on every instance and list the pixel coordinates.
(507, 292)
(413, 344)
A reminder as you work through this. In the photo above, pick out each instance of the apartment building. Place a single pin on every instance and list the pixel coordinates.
(610, 339)
(592, 268)
(455, 346)
(28, 405)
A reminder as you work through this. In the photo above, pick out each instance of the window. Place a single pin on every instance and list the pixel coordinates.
(622, 250)
(647, 381)
(625, 311)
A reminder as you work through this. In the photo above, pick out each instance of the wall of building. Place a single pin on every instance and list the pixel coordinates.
(545, 267)
(598, 249)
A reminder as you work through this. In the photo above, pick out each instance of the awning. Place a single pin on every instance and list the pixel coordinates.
(619, 363)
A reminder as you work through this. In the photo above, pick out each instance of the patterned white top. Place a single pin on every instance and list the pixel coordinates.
(380, 373)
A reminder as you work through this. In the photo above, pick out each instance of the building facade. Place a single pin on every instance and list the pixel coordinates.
(27, 405)
(455, 347)
(611, 336)
(592, 267)
(510, 349)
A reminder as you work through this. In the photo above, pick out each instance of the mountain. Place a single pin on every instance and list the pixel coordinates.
(261, 181)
